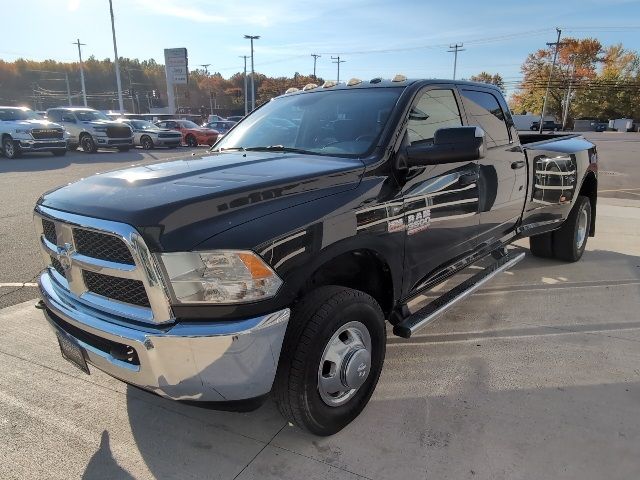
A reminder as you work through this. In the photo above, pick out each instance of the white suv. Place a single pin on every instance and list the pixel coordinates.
(22, 130)
(92, 129)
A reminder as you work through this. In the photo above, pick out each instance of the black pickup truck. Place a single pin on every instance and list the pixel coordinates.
(273, 263)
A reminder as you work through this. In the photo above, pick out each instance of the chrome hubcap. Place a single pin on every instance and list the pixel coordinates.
(345, 364)
(8, 148)
(581, 234)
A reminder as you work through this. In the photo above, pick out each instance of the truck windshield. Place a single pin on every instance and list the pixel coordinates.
(336, 123)
(11, 114)
(90, 115)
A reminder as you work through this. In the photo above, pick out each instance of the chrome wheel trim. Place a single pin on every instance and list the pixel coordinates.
(345, 364)
(581, 233)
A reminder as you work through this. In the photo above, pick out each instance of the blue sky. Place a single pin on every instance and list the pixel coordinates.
(376, 38)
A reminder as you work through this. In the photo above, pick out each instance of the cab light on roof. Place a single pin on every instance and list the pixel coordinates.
(376, 80)
(354, 81)
(309, 86)
(291, 90)
(329, 84)
(399, 78)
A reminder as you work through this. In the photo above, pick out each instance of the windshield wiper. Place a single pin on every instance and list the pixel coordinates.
(230, 149)
(277, 148)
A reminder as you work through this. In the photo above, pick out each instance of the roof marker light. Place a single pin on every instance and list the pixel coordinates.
(399, 78)
(329, 84)
(309, 86)
(354, 81)
(291, 90)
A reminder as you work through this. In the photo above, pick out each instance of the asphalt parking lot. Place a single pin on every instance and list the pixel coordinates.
(535, 376)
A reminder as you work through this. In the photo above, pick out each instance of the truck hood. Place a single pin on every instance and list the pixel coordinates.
(179, 204)
(106, 123)
(33, 123)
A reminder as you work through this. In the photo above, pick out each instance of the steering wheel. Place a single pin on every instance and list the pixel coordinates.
(366, 136)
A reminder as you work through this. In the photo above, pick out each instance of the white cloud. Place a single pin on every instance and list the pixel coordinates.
(73, 5)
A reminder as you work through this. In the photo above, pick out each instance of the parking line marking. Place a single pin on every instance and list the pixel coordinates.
(620, 190)
(18, 284)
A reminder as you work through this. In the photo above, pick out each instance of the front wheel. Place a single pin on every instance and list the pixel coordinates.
(331, 359)
(10, 149)
(192, 141)
(146, 142)
(87, 144)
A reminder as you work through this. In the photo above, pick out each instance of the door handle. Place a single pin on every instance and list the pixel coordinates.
(518, 164)
(467, 179)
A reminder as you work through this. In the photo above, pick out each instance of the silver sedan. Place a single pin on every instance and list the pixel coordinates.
(149, 136)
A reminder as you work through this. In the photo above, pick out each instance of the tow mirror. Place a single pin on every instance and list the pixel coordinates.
(450, 145)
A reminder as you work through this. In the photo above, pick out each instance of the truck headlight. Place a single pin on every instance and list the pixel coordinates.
(100, 129)
(23, 130)
(219, 277)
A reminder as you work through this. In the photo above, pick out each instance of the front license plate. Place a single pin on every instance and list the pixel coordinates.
(72, 352)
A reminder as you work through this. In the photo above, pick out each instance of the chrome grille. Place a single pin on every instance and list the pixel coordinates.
(105, 265)
(57, 266)
(49, 231)
(121, 289)
(47, 134)
(102, 246)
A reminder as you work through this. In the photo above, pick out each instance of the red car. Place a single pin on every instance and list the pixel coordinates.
(192, 134)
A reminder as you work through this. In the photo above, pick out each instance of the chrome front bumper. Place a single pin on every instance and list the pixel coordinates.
(47, 144)
(213, 361)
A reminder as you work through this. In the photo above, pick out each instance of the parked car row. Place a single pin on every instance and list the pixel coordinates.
(68, 128)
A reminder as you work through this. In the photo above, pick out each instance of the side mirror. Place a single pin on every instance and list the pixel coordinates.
(450, 145)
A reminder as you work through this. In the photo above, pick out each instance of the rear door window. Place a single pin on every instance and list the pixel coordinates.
(484, 110)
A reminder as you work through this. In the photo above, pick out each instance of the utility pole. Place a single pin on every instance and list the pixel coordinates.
(66, 77)
(565, 113)
(246, 101)
(148, 102)
(338, 61)
(315, 59)
(84, 90)
(253, 80)
(455, 49)
(211, 101)
(117, 62)
(555, 44)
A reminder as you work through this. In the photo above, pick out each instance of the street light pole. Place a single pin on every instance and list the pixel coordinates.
(66, 77)
(253, 79)
(84, 90)
(246, 101)
(115, 53)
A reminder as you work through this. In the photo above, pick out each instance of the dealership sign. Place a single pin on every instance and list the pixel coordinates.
(176, 65)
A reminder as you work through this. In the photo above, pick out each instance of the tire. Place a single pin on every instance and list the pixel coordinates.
(191, 141)
(87, 143)
(124, 149)
(59, 152)
(570, 240)
(146, 142)
(313, 330)
(10, 149)
(542, 245)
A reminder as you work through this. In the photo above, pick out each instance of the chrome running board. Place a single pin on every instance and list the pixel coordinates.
(429, 313)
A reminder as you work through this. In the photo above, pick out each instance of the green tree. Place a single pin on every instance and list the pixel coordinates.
(484, 77)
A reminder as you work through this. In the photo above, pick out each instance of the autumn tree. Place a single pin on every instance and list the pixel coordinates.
(484, 77)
